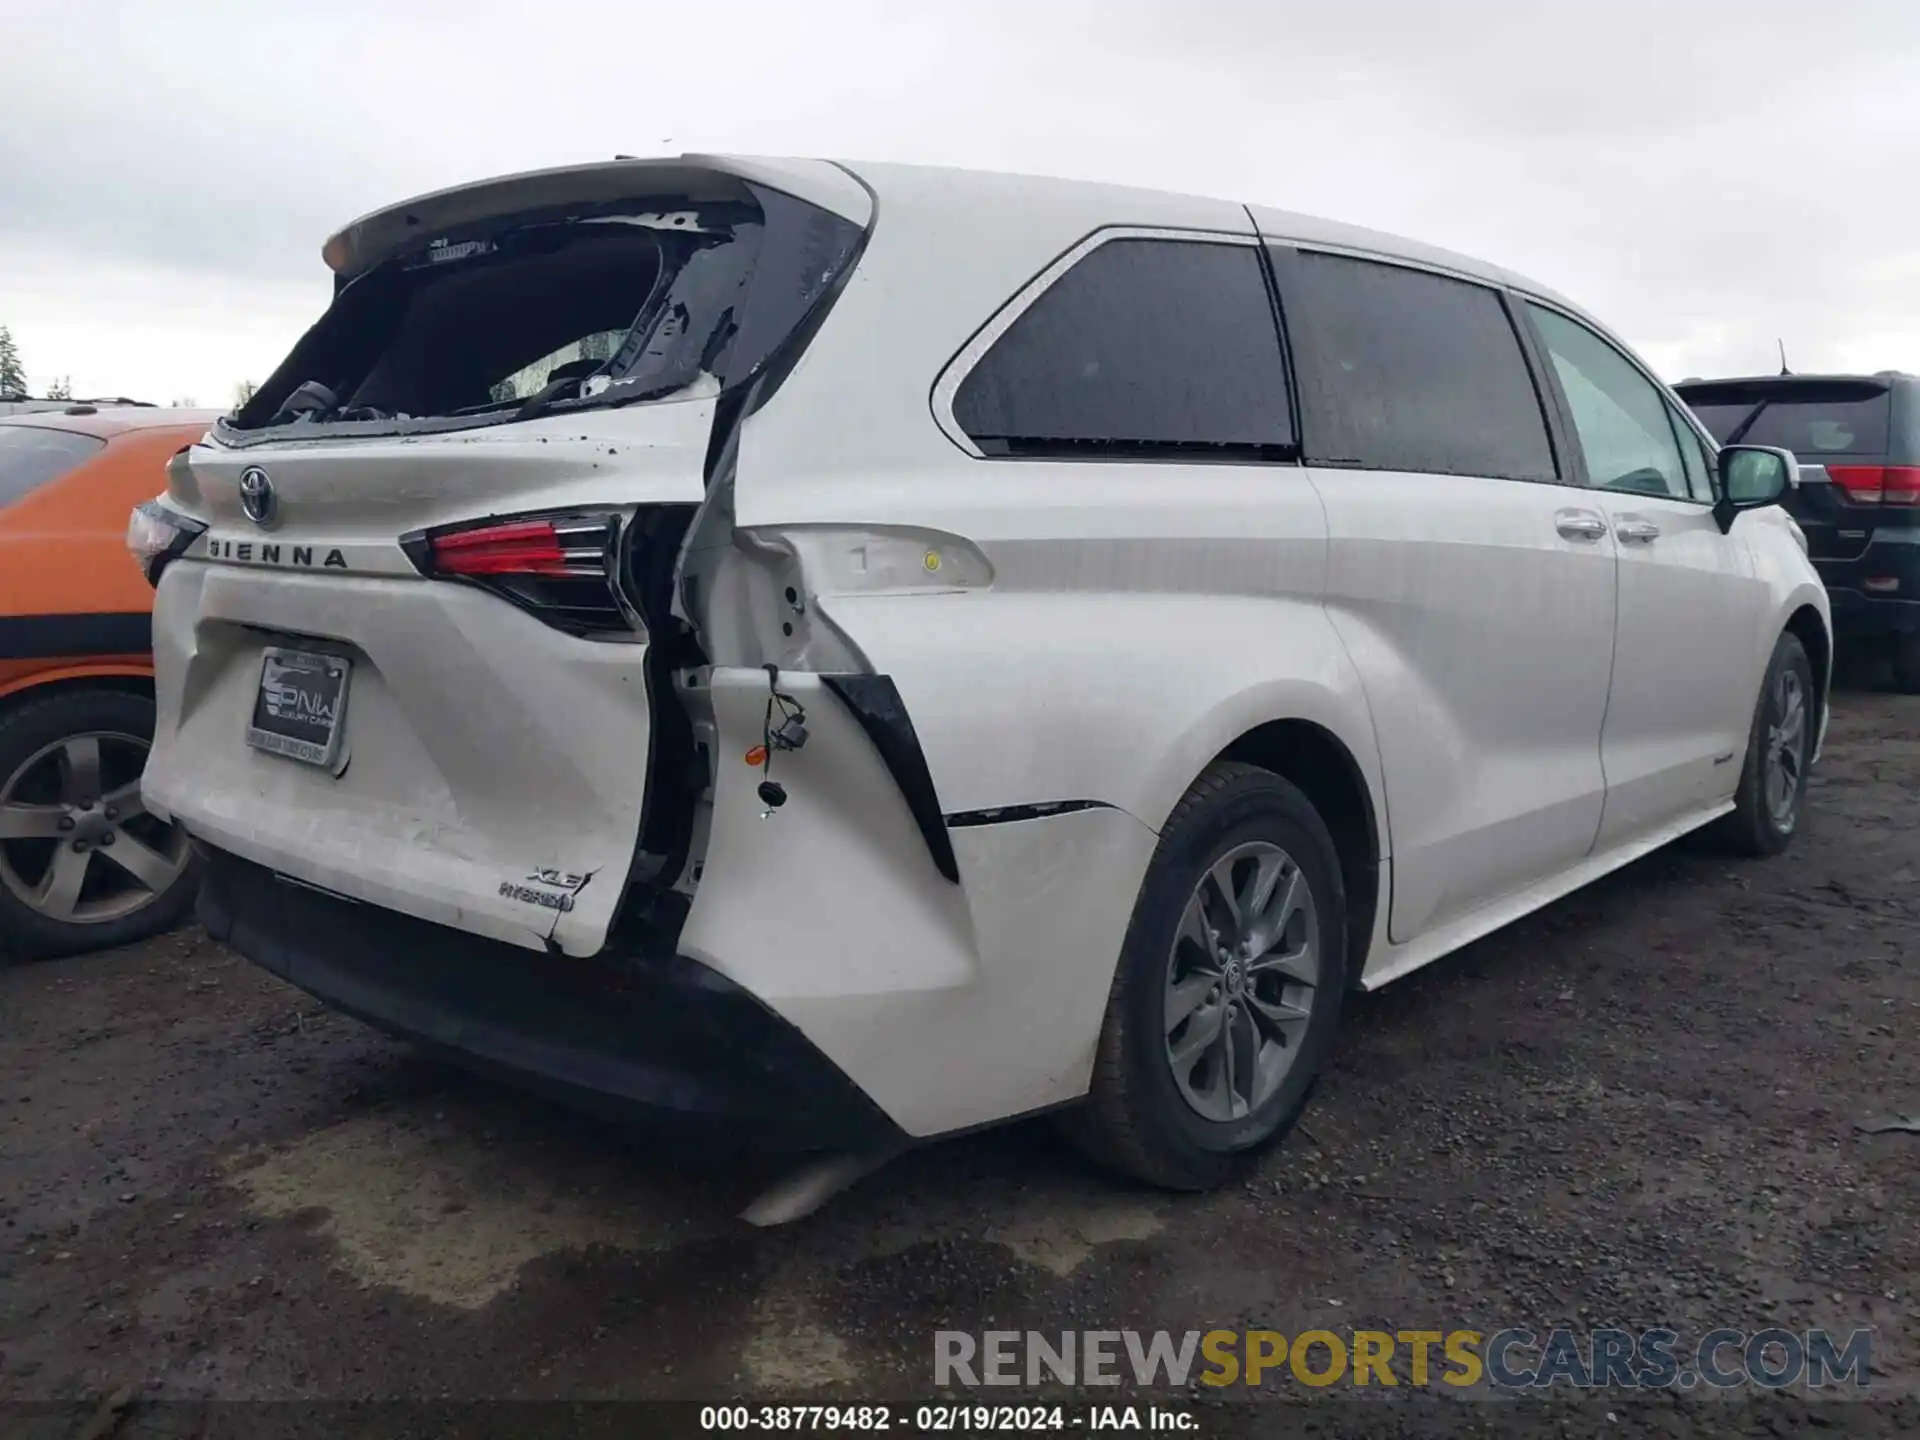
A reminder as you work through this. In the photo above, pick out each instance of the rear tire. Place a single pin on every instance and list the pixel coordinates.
(51, 749)
(1239, 939)
(1906, 663)
(1779, 753)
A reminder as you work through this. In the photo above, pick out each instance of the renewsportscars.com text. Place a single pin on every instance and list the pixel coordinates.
(1512, 1359)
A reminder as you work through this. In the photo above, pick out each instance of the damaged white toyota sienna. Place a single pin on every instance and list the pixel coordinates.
(848, 654)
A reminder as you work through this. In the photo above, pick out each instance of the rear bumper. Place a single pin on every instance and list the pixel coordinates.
(1859, 615)
(649, 1035)
(1859, 611)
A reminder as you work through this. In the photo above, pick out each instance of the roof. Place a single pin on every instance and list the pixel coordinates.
(27, 404)
(993, 197)
(854, 189)
(1787, 381)
(104, 423)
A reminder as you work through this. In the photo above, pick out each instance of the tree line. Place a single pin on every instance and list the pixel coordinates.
(13, 379)
(13, 374)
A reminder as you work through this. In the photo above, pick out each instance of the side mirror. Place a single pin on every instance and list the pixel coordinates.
(1751, 477)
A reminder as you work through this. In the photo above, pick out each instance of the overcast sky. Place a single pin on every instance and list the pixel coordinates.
(1706, 175)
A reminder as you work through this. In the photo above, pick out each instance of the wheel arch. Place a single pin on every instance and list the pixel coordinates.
(1313, 758)
(1338, 772)
(126, 679)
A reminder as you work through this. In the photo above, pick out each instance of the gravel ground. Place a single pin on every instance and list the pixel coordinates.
(1634, 1108)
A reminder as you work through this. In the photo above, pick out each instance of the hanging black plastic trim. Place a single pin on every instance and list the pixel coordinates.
(875, 702)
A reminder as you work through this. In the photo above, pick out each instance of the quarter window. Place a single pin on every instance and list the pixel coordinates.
(1142, 348)
(1402, 369)
(1619, 415)
(1693, 458)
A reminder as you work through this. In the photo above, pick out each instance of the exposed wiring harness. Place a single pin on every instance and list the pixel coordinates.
(783, 727)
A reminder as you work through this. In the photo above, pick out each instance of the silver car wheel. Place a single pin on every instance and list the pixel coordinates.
(1788, 734)
(1241, 980)
(77, 846)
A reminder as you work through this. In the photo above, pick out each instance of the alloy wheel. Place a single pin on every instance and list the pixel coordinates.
(1241, 981)
(1787, 735)
(77, 846)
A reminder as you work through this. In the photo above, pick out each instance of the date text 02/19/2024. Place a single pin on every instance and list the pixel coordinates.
(947, 1418)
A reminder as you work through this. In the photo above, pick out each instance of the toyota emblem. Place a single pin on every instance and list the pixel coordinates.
(256, 495)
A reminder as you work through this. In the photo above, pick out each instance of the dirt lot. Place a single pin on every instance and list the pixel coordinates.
(1637, 1107)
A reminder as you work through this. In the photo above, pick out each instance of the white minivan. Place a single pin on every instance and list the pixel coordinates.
(853, 653)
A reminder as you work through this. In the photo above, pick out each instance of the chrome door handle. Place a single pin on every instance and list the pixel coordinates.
(1637, 532)
(1579, 525)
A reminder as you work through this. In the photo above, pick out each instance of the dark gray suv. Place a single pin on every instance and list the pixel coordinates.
(1858, 441)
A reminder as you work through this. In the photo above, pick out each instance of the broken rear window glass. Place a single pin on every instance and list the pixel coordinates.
(625, 304)
(582, 357)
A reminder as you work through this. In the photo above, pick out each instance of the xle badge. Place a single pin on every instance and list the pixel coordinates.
(567, 883)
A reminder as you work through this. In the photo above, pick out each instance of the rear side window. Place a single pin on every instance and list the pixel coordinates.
(1144, 347)
(1811, 421)
(30, 456)
(1405, 370)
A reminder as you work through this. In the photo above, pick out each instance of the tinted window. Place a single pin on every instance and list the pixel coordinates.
(31, 456)
(1619, 414)
(1403, 370)
(1143, 346)
(1810, 422)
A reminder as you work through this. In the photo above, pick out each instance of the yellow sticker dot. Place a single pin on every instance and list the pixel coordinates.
(931, 560)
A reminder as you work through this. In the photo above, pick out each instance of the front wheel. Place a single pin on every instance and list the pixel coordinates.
(1773, 775)
(1227, 995)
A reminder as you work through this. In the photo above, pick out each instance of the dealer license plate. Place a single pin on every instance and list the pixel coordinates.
(302, 701)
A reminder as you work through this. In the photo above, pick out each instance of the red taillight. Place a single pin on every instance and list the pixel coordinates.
(521, 547)
(1878, 484)
(561, 567)
(1861, 482)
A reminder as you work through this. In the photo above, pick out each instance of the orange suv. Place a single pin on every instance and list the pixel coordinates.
(82, 865)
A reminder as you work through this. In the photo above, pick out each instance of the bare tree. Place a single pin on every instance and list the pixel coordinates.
(243, 392)
(60, 389)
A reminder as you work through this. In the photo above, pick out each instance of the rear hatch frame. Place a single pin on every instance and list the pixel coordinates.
(775, 261)
(660, 483)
